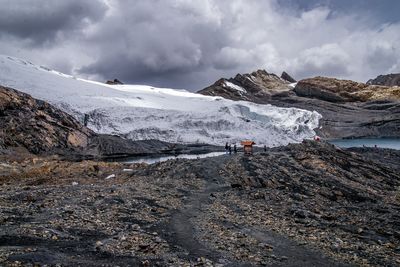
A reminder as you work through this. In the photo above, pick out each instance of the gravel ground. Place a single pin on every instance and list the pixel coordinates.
(303, 205)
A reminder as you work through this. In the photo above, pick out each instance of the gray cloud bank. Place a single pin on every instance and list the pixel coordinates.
(190, 44)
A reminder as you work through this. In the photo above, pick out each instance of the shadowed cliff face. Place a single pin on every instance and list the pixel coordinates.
(38, 126)
(348, 109)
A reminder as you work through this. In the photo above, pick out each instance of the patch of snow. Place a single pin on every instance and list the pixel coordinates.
(110, 176)
(234, 86)
(293, 85)
(144, 112)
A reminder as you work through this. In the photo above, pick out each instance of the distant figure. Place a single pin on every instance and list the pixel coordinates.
(234, 149)
(230, 149)
(265, 148)
(85, 119)
(376, 146)
(226, 147)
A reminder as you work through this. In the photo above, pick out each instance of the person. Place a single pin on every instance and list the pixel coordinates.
(85, 119)
(226, 147)
(265, 148)
(230, 149)
(234, 149)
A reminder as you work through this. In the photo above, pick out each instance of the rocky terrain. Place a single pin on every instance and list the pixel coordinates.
(309, 204)
(349, 109)
(33, 126)
(386, 80)
(342, 91)
(257, 87)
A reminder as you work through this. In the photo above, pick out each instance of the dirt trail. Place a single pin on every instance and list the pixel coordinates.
(185, 236)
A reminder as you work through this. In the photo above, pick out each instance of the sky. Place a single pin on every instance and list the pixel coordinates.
(191, 44)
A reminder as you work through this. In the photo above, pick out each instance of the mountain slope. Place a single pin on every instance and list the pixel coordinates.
(386, 80)
(144, 112)
(349, 109)
(335, 90)
(258, 87)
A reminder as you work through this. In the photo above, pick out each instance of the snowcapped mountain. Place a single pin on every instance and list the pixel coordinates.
(145, 112)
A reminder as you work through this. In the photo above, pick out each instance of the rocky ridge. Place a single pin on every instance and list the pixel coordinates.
(342, 91)
(250, 87)
(386, 80)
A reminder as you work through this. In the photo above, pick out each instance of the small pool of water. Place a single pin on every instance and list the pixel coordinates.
(150, 160)
(393, 143)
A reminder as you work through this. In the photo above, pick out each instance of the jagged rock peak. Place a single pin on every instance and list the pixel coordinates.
(259, 76)
(392, 79)
(287, 77)
(256, 86)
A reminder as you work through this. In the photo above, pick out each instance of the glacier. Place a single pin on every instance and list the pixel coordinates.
(142, 112)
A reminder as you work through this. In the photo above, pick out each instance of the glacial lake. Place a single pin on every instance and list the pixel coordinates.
(152, 160)
(393, 143)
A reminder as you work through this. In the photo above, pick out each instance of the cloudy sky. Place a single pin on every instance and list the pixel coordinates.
(190, 44)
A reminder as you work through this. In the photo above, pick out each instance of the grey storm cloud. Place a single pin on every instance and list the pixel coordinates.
(41, 20)
(190, 44)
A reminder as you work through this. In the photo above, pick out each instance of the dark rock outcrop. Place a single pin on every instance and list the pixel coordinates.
(37, 125)
(386, 80)
(115, 81)
(287, 77)
(256, 86)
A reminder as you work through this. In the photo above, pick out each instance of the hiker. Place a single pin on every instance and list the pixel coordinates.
(86, 119)
(265, 148)
(230, 149)
(234, 149)
(226, 147)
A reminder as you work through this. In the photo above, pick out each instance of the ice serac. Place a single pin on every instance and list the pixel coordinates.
(142, 112)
